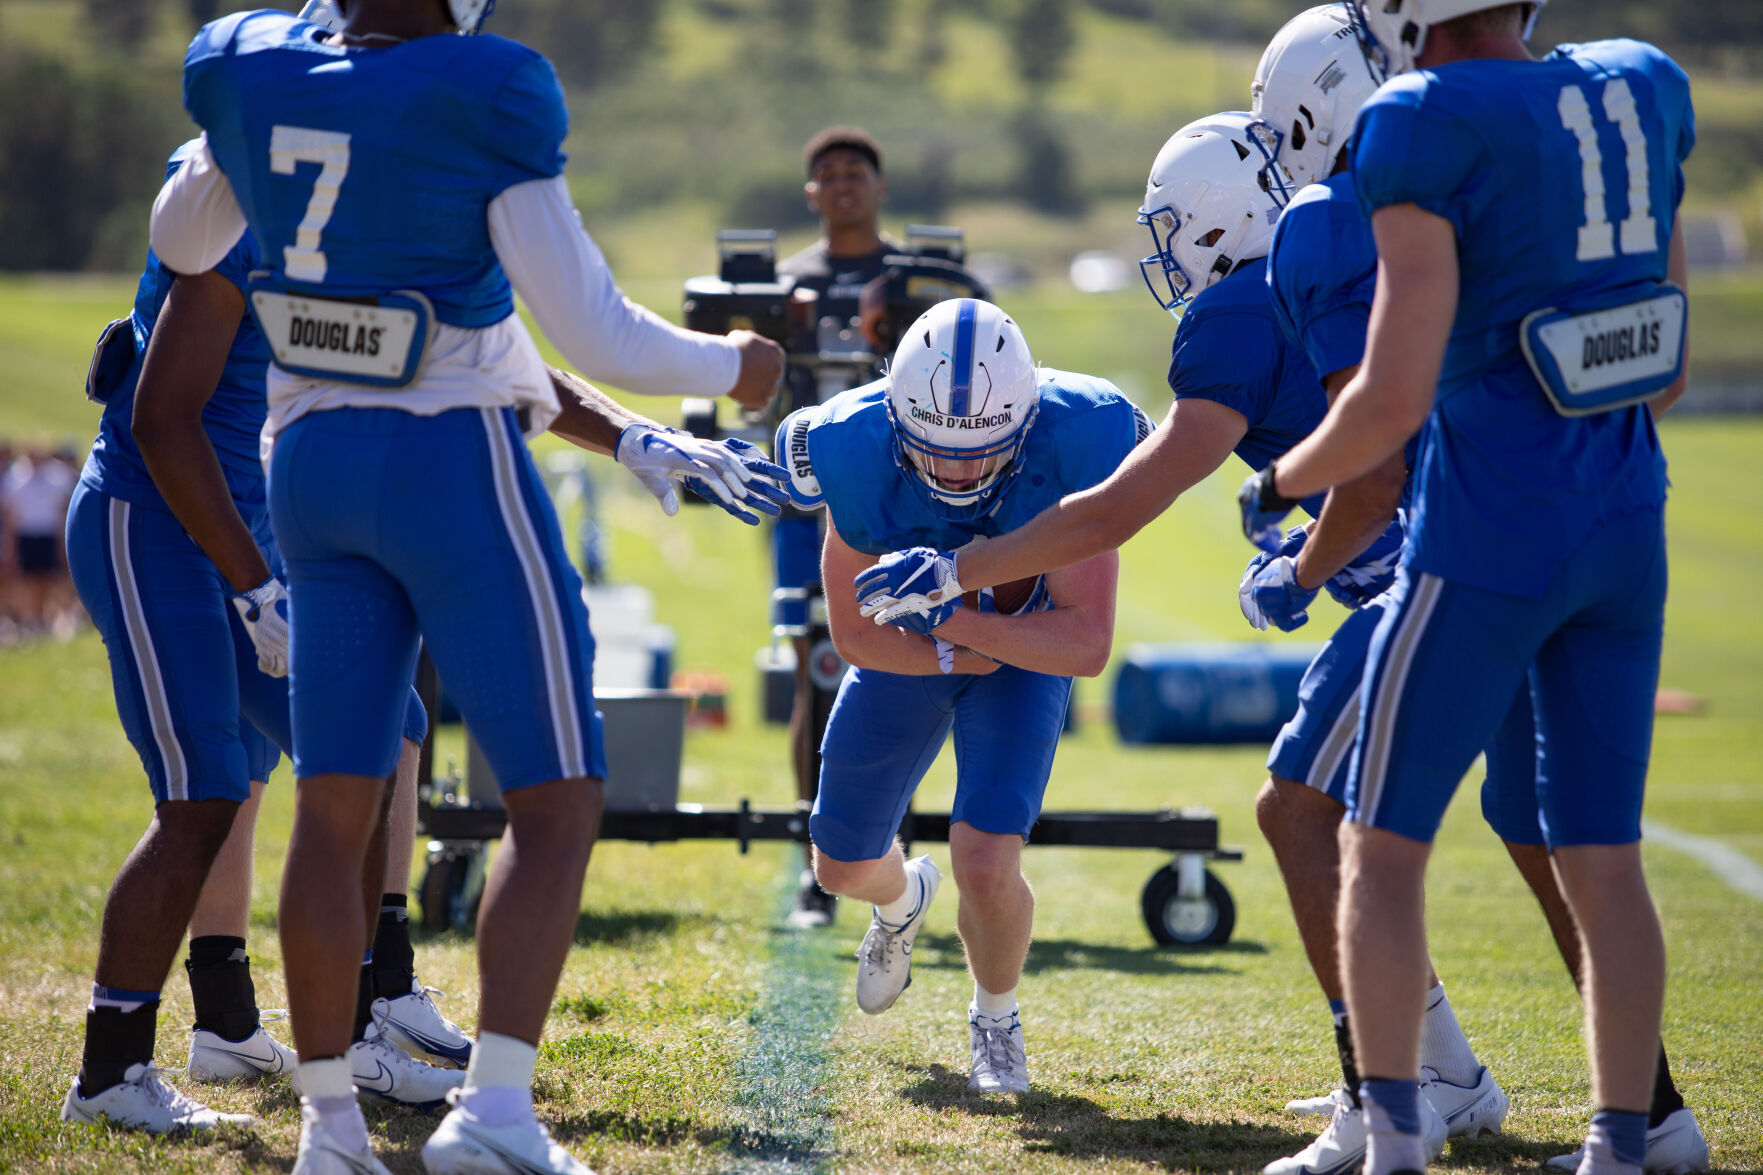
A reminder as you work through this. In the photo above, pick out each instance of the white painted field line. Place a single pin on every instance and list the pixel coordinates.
(1728, 864)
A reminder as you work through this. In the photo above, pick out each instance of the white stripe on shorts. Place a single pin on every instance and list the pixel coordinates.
(1398, 659)
(1338, 745)
(553, 641)
(134, 618)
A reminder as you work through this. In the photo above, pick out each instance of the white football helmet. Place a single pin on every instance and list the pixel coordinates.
(1210, 203)
(962, 392)
(1393, 32)
(469, 15)
(1308, 89)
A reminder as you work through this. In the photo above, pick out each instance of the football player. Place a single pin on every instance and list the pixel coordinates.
(1529, 305)
(963, 439)
(404, 181)
(1322, 271)
(170, 547)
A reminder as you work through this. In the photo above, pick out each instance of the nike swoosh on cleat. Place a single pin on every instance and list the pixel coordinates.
(384, 1074)
(258, 1061)
(433, 1044)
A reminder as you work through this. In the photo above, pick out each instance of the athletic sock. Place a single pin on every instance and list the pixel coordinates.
(1392, 1126)
(1443, 1047)
(330, 1091)
(999, 1006)
(364, 998)
(1343, 1043)
(394, 959)
(1666, 1100)
(499, 1080)
(219, 971)
(1617, 1143)
(897, 912)
(120, 1030)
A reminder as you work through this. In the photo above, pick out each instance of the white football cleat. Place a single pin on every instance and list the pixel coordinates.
(321, 1154)
(417, 1026)
(1468, 1110)
(1674, 1147)
(381, 1068)
(215, 1058)
(143, 1101)
(462, 1145)
(1321, 1106)
(1340, 1148)
(884, 961)
(1000, 1064)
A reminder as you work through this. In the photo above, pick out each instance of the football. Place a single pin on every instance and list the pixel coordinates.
(1007, 598)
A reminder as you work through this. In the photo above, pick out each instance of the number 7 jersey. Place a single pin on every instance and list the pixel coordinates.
(1561, 179)
(364, 170)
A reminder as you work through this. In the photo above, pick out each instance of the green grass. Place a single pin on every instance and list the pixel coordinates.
(692, 1034)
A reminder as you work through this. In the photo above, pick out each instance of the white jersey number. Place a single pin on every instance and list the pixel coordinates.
(1597, 237)
(289, 145)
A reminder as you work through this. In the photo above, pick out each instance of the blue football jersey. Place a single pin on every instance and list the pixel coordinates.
(1230, 349)
(1082, 431)
(364, 170)
(1562, 179)
(233, 417)
(1322, 276)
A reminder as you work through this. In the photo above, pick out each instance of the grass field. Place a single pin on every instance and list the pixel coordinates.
(692, 1033)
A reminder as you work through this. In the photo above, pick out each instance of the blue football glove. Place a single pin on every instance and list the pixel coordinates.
(1263, 508)
(1371, 574)
(732, 474)
(1278, 595)
(914, 589)
(1294, 542)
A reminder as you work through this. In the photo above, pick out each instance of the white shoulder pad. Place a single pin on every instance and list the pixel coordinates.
(791, 451)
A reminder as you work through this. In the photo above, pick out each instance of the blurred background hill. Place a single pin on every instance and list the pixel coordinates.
(1030, 122)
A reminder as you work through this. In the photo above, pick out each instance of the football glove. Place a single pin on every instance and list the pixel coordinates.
(264, 611)
(1263, 507)
(1278, 596)
(732, 474)
(915, 589)
(1371, 574)
(1294, 542)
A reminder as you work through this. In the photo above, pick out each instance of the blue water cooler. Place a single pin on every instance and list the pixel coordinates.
(1208, 693)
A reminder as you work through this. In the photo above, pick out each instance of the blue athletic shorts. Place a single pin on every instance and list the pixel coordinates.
(1448, 659)
(394, 524)
(886, 729)
(203, 718)
(1316, 746)
(795, 561)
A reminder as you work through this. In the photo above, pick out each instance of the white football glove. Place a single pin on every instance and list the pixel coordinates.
(1246, 592)
(264, 610)
(720, 472)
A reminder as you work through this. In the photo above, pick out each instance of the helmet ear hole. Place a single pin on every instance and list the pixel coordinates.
(1210, 239)
(1242, 151)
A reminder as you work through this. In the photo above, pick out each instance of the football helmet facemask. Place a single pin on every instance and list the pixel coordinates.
(469, 15)
(1392, 33)
(962, 392)
(1213, 196)
(1308, 89)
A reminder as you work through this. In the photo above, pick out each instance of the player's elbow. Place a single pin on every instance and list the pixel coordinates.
(1092, 653)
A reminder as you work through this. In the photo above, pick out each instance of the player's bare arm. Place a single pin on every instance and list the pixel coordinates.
(588, 417)
(1388, 400)
(1677, 272)
(872, 646)
(1072, 639)
(185, 357)
(1355, 512)
(1193, 440)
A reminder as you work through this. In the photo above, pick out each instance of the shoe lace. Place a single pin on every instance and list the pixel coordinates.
(878, 945)
(153, 1082)
(998, 1047)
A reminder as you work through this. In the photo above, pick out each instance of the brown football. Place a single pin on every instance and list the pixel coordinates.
(1007, 598)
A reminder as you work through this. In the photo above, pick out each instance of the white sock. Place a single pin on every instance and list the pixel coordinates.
(1443, 1047)
(326, 1078)
(1388, 1149)
(342, 1119)
(998, 1007)
(499, 1081)
(902, 908)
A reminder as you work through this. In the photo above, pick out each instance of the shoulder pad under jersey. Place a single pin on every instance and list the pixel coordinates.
(791, 451)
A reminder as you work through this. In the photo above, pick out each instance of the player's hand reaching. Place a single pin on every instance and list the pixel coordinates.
(762, 366)
(732, 474)
(914, 589)
(1263, 507)
(1281, 600)
(264, 609)
(1371, 574)
(1293, 543)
